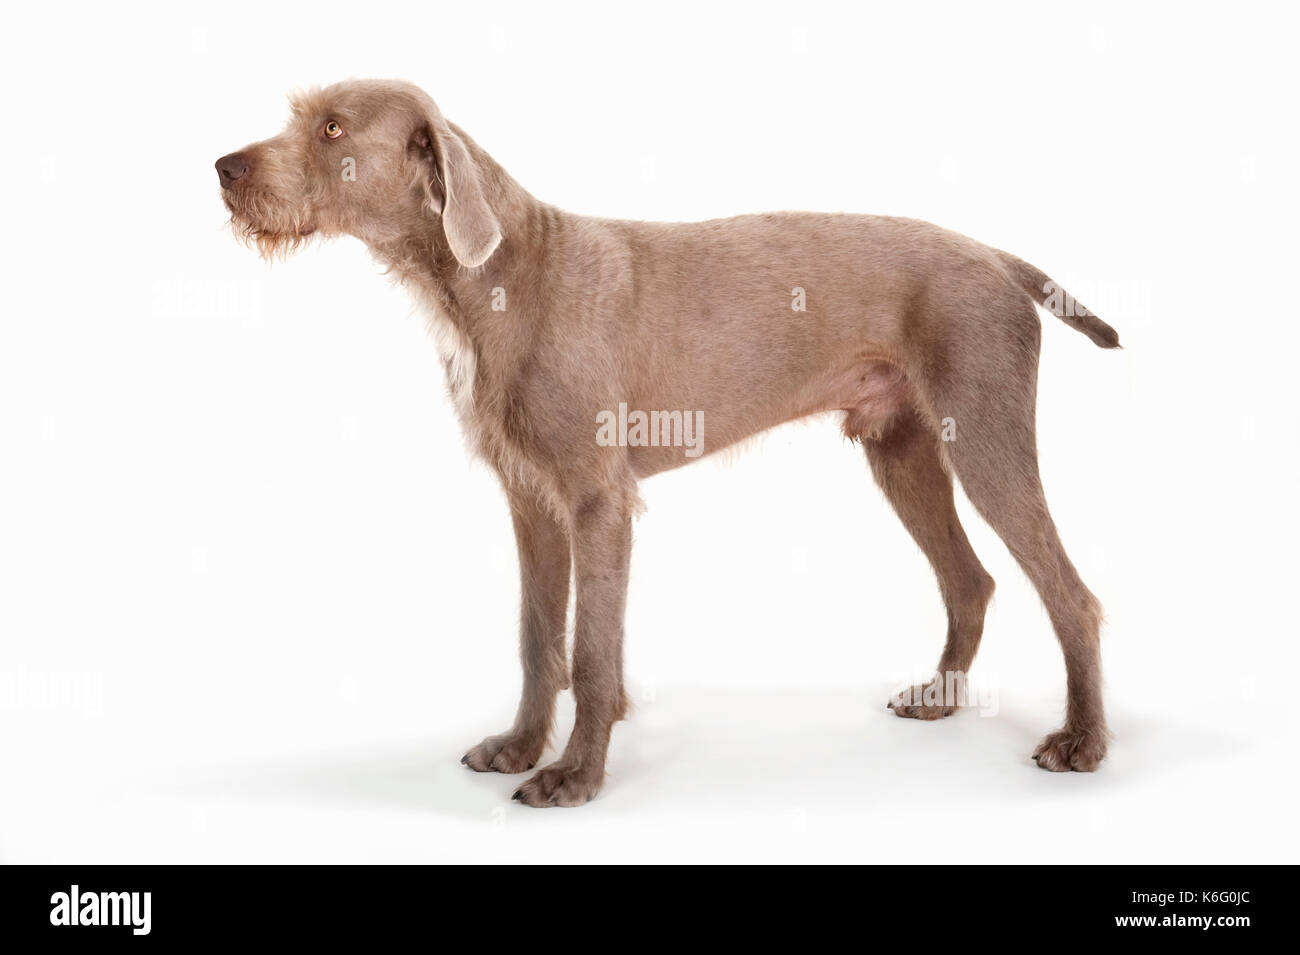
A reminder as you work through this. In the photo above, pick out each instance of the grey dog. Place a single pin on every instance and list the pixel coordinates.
(585, 354)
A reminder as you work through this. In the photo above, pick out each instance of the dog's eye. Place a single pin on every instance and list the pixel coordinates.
(333, 130)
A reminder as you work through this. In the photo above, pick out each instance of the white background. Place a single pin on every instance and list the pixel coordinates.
(255, 600)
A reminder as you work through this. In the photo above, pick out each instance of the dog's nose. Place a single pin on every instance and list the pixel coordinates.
(230, 169)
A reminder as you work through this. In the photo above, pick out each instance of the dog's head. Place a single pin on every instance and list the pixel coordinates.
(373, 159)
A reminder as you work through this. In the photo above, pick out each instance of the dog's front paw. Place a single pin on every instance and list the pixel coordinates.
(927, 701)
(1070, 749)
(561, 785)
(508, 753)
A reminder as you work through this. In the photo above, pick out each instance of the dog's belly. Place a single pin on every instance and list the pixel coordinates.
(869, 392)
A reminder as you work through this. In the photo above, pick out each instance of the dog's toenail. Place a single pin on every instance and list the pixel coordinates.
(519, 794)
(464, 760)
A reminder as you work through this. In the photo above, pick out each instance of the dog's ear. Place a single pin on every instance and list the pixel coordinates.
(454, 190)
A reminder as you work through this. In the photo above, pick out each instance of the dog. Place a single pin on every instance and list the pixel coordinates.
(584, 354)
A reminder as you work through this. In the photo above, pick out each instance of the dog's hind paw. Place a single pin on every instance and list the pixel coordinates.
(1070, 749)
(560, 785)
(508, 753)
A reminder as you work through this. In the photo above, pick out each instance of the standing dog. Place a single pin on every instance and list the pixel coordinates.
(586, 354)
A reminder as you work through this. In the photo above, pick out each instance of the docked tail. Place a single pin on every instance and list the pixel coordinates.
(1059, 302)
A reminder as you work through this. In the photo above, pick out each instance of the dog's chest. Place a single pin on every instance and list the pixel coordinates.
(459, 359)
(484, 432)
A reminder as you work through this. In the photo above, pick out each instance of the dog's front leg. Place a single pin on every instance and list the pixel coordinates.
(602, 544)
(544, 571)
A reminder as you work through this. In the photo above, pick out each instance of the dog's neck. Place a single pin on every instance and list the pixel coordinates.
(472, 299)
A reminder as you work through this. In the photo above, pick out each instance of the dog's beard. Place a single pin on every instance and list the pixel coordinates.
(266, 223)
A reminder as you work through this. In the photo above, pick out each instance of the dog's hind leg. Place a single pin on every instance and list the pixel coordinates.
(544, 572)
(907, 463)
(990, 397)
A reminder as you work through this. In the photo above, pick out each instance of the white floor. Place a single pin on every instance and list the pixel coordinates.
(820, 773)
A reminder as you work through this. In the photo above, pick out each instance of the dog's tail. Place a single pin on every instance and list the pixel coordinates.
(1059, 302)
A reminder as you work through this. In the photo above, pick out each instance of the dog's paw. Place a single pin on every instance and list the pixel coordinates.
(561, 785)
(509, 753)
(1070, 749)
(925, 701)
